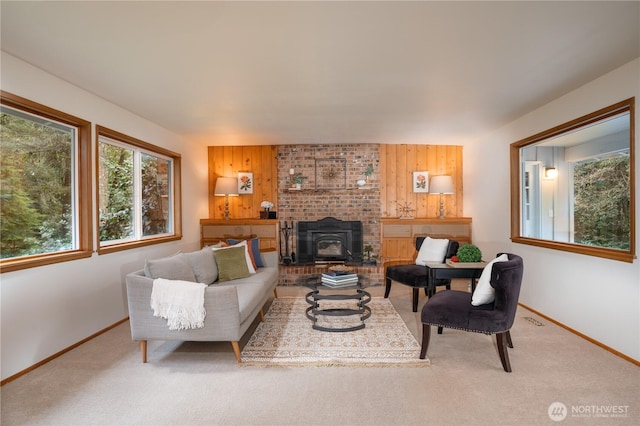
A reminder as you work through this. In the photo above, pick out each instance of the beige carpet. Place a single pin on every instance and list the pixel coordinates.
(286, 338)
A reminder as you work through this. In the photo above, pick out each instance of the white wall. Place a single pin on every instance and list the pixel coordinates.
(599, 298)
(49, 308)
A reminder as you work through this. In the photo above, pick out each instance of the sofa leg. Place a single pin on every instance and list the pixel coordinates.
(426, 335)
(502, 351)
(261, 315)
(236, 351)
(143, 349)
(275, 293)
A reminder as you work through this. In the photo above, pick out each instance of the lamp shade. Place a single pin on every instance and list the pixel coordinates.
(441, 185)
(226, 186)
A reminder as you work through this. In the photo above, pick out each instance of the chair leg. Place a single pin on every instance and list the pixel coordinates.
(508, 336)
(439, 330)
(387, 288)
(414, 303)
(502, 350)
(426, 335)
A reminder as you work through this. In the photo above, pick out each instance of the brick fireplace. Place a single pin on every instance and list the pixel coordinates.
(345, 201)
(331, 192)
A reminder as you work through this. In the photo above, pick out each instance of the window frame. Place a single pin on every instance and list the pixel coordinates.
(516, 194)
(83, 187)
(119, 137)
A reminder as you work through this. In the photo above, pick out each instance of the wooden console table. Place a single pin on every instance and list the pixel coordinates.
(398, 235)
(214, 230)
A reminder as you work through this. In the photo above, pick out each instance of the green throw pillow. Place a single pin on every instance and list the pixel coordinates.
(232, 263)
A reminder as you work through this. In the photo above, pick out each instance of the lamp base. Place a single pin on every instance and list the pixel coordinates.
(226, 207)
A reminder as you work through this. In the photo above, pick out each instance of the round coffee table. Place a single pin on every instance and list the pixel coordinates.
(320, 292)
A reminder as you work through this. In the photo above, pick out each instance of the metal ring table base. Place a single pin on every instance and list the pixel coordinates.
(313, 311)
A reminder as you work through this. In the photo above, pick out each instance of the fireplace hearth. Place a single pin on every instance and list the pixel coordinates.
(329, 240)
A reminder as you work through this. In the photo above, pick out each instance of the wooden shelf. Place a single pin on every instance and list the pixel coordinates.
(398, 235)
(215, 230)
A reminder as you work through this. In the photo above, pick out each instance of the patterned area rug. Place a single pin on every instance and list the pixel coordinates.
(286, 338)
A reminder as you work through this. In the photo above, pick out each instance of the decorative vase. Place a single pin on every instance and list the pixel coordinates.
(264, 214)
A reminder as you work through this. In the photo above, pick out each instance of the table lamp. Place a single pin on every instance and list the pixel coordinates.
(226, 186)
(441, 185)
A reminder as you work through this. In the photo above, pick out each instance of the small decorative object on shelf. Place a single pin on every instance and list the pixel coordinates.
(405, 211)
(368, 171)
(297, 180)
(371, 259)
(267, 206)
(468, 253)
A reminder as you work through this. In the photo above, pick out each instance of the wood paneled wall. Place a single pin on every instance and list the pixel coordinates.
(228, 161)
(395, 174)
(397, 164)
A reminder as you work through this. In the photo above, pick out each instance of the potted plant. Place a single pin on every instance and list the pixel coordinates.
(267, 206)
(468, 253)
(368, 172)
(371, 259)
(297, 180)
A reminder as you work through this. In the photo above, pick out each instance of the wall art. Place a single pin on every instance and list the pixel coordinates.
(420, 182)
(245, 182)
(331, 173)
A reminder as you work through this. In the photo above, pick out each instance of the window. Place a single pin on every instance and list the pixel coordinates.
(572, 186)
(138, 192)
(45, 178)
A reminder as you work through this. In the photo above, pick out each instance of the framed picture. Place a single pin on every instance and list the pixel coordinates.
(420, 182)
(245, 183)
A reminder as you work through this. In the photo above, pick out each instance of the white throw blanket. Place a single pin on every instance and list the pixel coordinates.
(181, 303)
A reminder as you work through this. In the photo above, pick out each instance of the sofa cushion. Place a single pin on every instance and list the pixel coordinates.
(251, 263)
(252, 289)
(484, 292)
(432, 250)
(232, 263)
(243, 244)
(250, 295)
(174, 267)
(254, 250)
(204, 266)
(267, 276)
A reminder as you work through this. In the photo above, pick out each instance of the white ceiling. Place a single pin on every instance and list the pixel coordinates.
(325, 72)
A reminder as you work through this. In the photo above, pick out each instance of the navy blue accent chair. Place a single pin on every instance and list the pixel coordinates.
(453, 309)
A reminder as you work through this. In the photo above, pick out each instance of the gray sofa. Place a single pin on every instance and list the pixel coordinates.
(231, 306)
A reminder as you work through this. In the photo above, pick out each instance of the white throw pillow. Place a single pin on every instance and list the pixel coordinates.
(484, 293)
(252, 270)
(432, 250)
